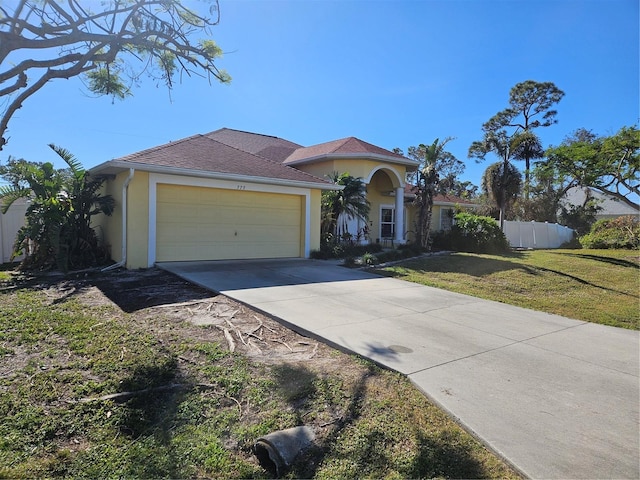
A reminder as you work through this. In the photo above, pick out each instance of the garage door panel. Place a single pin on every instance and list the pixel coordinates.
(195, 223)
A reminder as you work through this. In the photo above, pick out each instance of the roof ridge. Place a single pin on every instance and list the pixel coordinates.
(159, 147)
(251, 133)
(273, 162)
(339, 142)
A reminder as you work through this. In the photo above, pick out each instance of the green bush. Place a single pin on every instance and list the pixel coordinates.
(441, 240)
(369, 259)
(350, 262)
(402, 252)
(319, 254)
(389, 256)
(343, 250)
(621, 232)
(477, 234)
(411, 250)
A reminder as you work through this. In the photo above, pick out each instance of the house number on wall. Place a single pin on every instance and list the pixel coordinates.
(242, 187)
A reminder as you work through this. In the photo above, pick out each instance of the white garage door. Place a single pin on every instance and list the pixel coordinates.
(196, 223)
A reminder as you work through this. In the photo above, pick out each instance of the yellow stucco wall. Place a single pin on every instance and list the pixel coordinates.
(381, 183)
(319, 169)
(315, 218)
(357, 167)
(109, 228)
(138, 221)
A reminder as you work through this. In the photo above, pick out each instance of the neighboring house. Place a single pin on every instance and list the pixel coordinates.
(610, 206)
(230, 194)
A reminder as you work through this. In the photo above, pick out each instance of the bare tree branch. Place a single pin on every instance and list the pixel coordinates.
(158, 35)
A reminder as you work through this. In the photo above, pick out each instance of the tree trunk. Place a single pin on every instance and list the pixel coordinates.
(427, 226)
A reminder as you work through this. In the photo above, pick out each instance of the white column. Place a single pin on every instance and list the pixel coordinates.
(399, 237)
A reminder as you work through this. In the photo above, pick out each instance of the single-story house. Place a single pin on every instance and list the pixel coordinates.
(231, 194)
(610, 207)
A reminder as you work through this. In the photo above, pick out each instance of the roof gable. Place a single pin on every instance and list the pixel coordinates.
(348, 147)
(610, 206)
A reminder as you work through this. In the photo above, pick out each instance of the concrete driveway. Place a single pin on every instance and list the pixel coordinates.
(556, 397)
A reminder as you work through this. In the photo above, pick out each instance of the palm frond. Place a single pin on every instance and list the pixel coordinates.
(9, 194)
(76, 167)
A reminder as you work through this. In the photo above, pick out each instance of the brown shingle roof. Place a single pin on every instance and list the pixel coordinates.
(201, 153)
(235, 152)
(344, 146)
(266, 146)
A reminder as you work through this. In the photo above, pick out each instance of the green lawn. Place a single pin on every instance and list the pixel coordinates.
(601, 286)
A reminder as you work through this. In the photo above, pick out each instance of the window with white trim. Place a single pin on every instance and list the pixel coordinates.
(446, 218)
(387, 221)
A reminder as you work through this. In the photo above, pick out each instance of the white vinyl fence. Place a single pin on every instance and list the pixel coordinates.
(10, 223)
(536, 234)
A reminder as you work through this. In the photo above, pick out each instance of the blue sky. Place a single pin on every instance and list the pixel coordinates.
(394, 73)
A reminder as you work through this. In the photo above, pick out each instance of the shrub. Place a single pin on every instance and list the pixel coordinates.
(343, 250)
(477, 234)
(621, 232)
(388, 256)
(350, 262)
(369, 259)
(410, 250)
(580, 217)
(319, 254)
(573, 244)
(441, 240)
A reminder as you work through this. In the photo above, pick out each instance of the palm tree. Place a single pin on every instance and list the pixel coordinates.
(502, 183)
(526, 146)
(85, 201)
(58, 221)
(427, 181)
(341, 205)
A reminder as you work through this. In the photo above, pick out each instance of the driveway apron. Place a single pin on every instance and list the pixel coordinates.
(555, 397)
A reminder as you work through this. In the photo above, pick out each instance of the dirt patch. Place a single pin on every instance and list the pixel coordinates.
(164, 302)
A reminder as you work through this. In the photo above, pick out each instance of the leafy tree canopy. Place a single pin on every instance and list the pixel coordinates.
(610, 165)
(448, 167)
(13, 171)
(110, 43)
(530, 106)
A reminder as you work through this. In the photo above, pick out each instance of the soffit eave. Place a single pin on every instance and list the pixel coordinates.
(114, 167)
(410, 164)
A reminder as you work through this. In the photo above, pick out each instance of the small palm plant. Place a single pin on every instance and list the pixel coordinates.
(341, 205)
